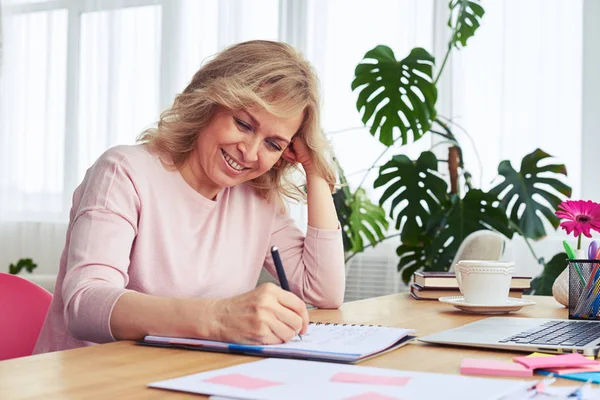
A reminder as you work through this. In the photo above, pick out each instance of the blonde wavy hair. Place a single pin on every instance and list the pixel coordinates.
(264, 74)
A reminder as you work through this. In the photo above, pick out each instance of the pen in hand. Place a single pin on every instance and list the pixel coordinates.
(280, 272)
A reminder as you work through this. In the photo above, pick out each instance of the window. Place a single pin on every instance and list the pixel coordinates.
(83, 76)
(119, 69)
(338, 39)
(32, 122)
(518, 87)
(80, 76)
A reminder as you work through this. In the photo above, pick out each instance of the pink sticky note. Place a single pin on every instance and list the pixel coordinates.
(493, 368)
(350, 377)
(241, 381)
(372, 396)
(575, 370)
(562, 360)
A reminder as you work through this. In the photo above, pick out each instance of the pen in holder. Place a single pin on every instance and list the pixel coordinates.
(584, 289)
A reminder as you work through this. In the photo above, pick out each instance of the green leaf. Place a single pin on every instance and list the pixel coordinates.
(418, 190)
(341, 200)
(366, 220)
(517, 189)
(26, 263)
(412, 259)
(396, 93)
(541, 285)
(465, 18)
(476, 211)
(343, 211)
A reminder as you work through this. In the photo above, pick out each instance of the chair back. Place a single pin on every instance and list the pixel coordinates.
(480, 245)
(23, 309)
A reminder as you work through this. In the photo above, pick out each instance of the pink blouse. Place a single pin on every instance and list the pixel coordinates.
(134, 225)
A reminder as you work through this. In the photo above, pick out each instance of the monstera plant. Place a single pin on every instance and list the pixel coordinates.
(397, 99)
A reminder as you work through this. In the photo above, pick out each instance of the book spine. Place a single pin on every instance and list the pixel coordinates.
(419, 287)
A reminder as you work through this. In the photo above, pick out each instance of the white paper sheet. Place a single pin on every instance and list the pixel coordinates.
(555, 393)
(302, 380)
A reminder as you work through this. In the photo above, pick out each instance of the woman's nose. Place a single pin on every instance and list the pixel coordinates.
(249, 150)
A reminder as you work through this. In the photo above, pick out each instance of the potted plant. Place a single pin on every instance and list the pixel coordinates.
(580, 218)
(23, 263)
(432, 211)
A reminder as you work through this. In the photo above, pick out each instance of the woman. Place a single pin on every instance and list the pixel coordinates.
(168, 237)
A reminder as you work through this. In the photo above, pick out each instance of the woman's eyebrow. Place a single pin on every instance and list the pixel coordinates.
(284, 140)
(254, 120)
(257, 124)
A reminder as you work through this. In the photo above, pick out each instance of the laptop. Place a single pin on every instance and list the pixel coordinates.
(524, 334)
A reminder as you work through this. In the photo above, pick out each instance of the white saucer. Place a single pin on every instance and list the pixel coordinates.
(511, 304)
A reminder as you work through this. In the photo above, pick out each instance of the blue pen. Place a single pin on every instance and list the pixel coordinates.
(578, 393)
(593, 302)
(280, 272)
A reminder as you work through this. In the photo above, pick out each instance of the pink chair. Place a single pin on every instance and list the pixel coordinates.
(23, 308)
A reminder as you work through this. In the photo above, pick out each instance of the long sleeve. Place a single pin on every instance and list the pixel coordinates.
(314, 265)
(138, 226)
(103, 229)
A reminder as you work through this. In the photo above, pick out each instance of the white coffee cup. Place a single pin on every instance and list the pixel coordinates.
(484, 282)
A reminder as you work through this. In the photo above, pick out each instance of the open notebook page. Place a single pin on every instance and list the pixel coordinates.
(345, 339)
(359, 340)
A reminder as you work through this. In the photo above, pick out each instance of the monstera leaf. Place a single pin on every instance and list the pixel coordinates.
(476, 211)
(542, 285)
(518, 188)
(396, 93)
(366, 219)
(465, 17)
(417, 186)
(414, 257)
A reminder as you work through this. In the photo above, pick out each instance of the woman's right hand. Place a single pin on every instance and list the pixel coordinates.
(265, 315)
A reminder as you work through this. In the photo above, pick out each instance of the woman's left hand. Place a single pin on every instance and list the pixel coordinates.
(298, 151)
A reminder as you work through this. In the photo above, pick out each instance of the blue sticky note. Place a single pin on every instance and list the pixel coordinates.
(593, 377)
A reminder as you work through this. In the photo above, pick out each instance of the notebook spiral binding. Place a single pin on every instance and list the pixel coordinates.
(337, 324)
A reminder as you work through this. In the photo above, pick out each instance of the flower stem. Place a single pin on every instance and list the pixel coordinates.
(579, 242)
(518, 229)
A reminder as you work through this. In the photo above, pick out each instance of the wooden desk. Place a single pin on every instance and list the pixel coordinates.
(122, 370)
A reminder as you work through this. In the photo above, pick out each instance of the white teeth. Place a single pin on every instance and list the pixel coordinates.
(230, 161)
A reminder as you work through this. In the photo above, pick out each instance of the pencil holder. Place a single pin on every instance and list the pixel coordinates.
(584, 289)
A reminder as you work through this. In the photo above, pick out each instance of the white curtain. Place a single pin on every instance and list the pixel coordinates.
(516, 87)
(339, 33)
(80, 76)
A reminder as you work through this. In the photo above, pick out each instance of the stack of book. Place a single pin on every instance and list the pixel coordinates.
(433, 285)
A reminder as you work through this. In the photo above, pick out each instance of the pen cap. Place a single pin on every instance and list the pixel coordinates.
(279, 268)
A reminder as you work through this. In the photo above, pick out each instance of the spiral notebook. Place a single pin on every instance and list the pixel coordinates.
(344, 343)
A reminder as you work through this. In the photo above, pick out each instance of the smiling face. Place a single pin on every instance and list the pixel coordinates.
(237, 146)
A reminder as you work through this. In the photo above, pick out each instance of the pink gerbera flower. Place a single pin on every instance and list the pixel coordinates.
(580, 216)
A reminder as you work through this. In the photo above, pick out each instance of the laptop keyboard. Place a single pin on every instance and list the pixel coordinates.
(564, 333)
